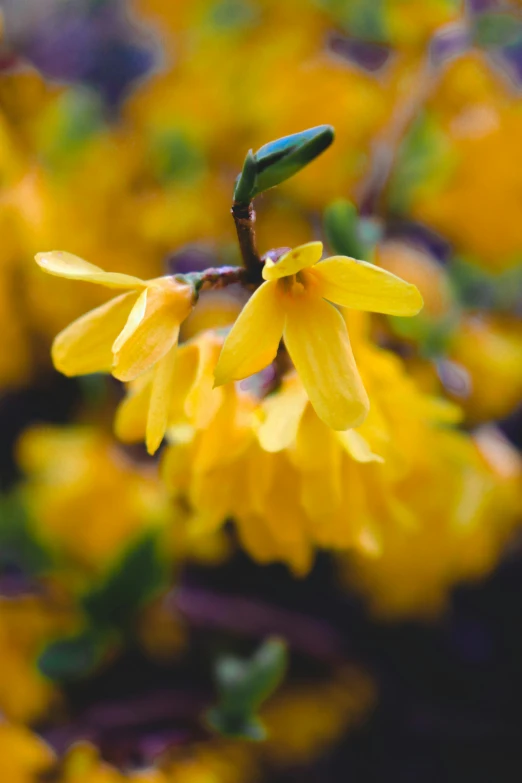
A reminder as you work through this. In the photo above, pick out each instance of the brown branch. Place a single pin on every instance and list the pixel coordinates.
(245, 219)
(387, 144)
(215, 278)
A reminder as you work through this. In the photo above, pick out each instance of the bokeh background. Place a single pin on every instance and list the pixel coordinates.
(122, 128)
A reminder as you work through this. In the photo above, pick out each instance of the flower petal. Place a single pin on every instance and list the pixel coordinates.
(283, 412)
(317, 340)
(160, 400)
(293, 261)
(85, 346)
(202, 399)
(130, 421)
(358, 447)
(362, 286)
(253, 341)
(152, 328)
(62, 264)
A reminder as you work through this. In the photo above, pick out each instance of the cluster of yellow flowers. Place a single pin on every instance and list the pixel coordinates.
(317, 407)
(341, 474)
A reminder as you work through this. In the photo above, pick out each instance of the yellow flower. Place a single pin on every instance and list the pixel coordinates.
(27, 624)
(127, 336)
(24, 757)
(192, 401)
(305, 720)
(88, 514)
(295, 303)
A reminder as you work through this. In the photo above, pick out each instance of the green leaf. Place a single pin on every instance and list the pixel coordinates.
(344, 229)
(243, 685)
(281, 159)
(232, 14)
(365, 19)
(496, 29)
(431, 335)
(76, 117)
(72, 657)
(134, 579)
(425, 154)
(479, 288)
(175, 157)
(19, 542)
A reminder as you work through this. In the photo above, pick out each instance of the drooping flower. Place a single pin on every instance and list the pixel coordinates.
(127, 336)
(192, 401)
(296, 302)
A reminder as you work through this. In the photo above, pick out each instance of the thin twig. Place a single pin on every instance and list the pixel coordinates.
(387, 143)
(214, 278)
(245, 219)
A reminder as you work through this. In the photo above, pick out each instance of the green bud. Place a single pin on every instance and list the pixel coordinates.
(281, 159)
(246, 182)
(278, 160)
(243, 685)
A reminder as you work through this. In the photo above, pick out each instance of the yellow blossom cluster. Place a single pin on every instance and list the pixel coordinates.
(343, 410)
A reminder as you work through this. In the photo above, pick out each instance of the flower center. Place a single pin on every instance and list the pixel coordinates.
(295, 285)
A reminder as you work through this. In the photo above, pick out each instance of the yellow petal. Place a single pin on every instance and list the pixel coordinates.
(253, 340)
(187, 357)
(152, 328)
(293, 261)
(318, 455)
(134, 319)
(283, 411)
(317, 341)
(202, 400)
(362, 286)
(316, 446)
(62, 264)
(131, 416)
(358, 447)
(231, 425)
(160, 400)
(85, 346)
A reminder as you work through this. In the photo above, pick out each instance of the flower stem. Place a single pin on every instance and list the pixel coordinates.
(219, 277)
(245, 218)
(216, 277)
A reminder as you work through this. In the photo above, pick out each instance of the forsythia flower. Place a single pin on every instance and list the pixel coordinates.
(295, 303)
(88, 514)
(24, 757)
(192, 403)
(127, 336)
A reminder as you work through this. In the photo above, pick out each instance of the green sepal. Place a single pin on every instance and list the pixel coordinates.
(243, 685)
